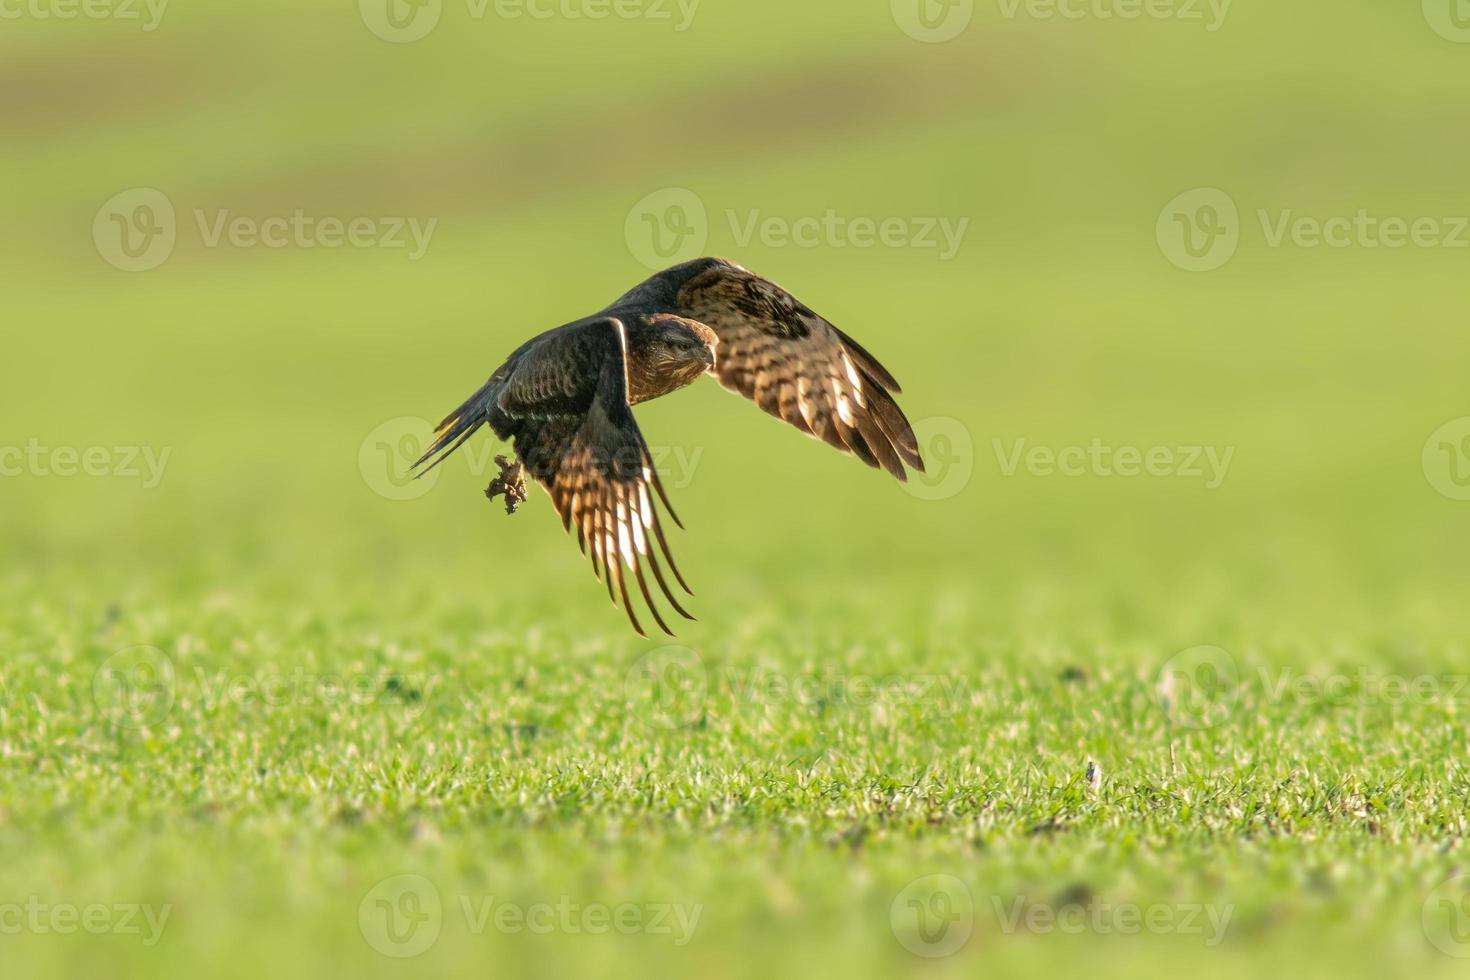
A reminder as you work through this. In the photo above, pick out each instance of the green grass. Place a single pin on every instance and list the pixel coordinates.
(787, 781)
(336, 689)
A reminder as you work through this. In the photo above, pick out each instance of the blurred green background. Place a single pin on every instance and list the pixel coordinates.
(1119, 181)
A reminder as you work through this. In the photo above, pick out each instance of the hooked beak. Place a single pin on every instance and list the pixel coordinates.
(709, 358)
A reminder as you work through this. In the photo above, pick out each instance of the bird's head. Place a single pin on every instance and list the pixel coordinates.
(682, 347)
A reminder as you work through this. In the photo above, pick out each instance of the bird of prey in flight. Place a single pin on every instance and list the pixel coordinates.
(565, 399)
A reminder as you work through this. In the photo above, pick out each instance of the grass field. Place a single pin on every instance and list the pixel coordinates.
(1161, 668)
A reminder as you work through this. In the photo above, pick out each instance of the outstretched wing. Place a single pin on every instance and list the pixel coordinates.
(575, 433)
(798, 367)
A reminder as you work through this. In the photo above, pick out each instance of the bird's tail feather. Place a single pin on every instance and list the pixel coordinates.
(458, 426)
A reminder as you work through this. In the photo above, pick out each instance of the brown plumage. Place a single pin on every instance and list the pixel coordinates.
(565, 400)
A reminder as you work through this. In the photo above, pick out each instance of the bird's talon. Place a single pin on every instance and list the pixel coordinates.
(511, 482)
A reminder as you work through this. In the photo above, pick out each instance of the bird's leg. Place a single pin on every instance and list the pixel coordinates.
(511, 482)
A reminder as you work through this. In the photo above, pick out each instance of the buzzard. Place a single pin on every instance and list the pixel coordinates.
(565, 400)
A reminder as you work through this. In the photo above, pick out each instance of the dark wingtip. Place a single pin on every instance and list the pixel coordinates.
(658, 533)
(658, 573)
(658, 486)
(627, 605)
(870, 364)
(648, 597)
